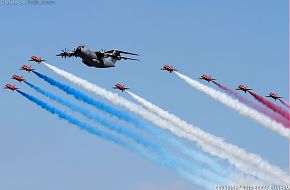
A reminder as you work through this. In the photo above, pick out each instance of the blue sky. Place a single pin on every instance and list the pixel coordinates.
(235, 41)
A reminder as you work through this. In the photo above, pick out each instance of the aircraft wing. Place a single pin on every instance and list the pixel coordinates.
(129, 58)
(119, 51)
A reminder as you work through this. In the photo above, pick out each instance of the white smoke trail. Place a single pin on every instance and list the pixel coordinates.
(238, 106)
(247, 162)
(202, 138)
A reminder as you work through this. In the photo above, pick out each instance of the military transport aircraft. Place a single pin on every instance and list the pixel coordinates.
(99, 59)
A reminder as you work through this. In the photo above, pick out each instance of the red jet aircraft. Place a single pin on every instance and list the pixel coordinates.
(18, 78)
(244, 88)
(208, 78)
(274, 96)
(26, 68)
(10, 87)
(168, 68)
(36, 59)
(120, 87)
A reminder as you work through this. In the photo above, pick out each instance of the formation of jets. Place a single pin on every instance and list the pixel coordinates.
(209, 78)
(105, 59)
(21, 78)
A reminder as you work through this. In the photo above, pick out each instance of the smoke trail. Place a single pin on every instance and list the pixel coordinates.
(153, 108)
(285, 103)
(106, 136)
(99, 119)
(243, 166)
(97, 104)
(128, 118)
(208, 142)
(260, 109)
(270, 105)
(236, 105)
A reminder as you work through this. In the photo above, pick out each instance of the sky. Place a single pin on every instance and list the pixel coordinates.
(237, 42)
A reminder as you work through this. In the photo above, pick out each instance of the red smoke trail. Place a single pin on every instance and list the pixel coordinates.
(270, 105)
(285, 103)
(253, 105)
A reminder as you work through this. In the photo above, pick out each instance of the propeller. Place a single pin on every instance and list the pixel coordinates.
(66, 53)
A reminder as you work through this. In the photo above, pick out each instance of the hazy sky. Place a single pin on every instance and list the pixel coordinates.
(235, 41)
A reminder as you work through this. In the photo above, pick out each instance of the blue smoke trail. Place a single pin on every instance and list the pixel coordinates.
(101, 120)
(97, 104)
(108, 137)
(112, 126)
